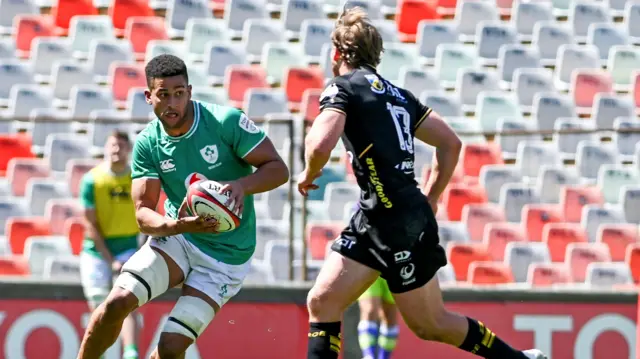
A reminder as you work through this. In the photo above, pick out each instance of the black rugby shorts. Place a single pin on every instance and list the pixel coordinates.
(404, 248)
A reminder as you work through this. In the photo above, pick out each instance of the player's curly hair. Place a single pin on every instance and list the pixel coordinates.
(165, 66)
(356, 39)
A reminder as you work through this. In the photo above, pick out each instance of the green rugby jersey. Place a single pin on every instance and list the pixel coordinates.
(213, 148)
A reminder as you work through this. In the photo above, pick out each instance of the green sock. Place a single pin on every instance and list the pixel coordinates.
(130, 352)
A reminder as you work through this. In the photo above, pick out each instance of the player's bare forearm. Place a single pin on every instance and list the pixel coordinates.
(93, 231)
(316, 159)
(322, 139)
(154, 224)
(269, 175)
(442, 171)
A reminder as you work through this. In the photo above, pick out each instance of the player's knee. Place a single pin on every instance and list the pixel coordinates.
(146, 275)
(319, 303)
(172, 346)
(118, 305)
(435, 327)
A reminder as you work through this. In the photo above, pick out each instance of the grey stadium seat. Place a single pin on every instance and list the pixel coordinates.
(236, 12)
(219, 55)
(632, 21)
(38, 248)
(490, 37)
(548, 36)
(12, 72)
(60, 148)
(199, 31)
(9, 9)
(630, 201)
(520, 255)
(257, 32)
(444, 103)
(86, 98)
(24, 98)
(45, 51)
(416, 80)
(551, 180)
(469, 13)
(492, 177)
(471, 82)
(567, 143)
(611, 179)
(179, 12)
(584, 13)
(608, 274)
(532, 155)
(549, 106)
(296, 11)
(84, 29)
(591, 155)
(608, 107)
(514, 196)
(260, 102)
(604, 36)
(513, 57)
(45, 122)
(594, 215)
(388, 30)
(626, 142)
(571, 57)
(432, 33)
(493, 105)
(103, 52)
(450, 58)
(66, 74)
(59, 268)
(509, 143)
(452, 232)
(314, 33)
(525, 15)
(529, 81)
(7, 48)
(40, 190)
(10, 207)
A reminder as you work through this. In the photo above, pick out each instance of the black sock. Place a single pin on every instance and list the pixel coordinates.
(483, 342)
(324, 341)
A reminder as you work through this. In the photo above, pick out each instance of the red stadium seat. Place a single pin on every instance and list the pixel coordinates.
(586, 83)
(319, 234)
(75, 170)
(580, 255)
(618, 236)
(121, 10)
(58, 211)
(18, 229)
(19, 170)
(536, 216)
(13, 146)
(476, 155)
(477, 216)
(632, 258)
(239, 78)
(64, 10)
(491, 273)
(557, 236)
(573, 198)
(74, 230)
(299, 79)
(310, 106)
(410, 13)
(445, 7)
(456, 196)
(461, 255)
(28, 27)
(14, 266)
(140, 30)
(124, 77)
(548, 274)
(635, 82)
(498, 234)
(217, 5)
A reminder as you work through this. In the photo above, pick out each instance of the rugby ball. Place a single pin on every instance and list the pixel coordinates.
(203, 199)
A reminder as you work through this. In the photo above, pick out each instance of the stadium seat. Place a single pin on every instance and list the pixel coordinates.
(277, 57)
(632, 20)
(68, 73)
(525, 15)
(611, 178)
(471, 82)
(574, 197)
(74, 230)
(622, 60)
(635, 91)
(65, 10)
(13, 146)
(9, 207)
(258, 32)
(38, 248)
(580, 255)
(101, 124)
(121, 10)
(509, 143)
(558, 235)
(584, 13)
(74, 170)
(137, 106)
(314, 34)
(7, 48)
(476, 217)
(162, 47)
(296, 11)
(549, 106)
(520, 255)
(594, 215)
(57, 211)
(207, 94)
(14, 265)
(591, 155)
(123, 77)
(551, 179)
(452, 232)
(29, 27)
(45, 52)
(397, 55)
(239, 78)
(12, 9)
(18, 229)
(567, 143)
(527, 82)
(388, 30)
(410, 14)
(20, 170)
(493, 176)
(536, 216)
(489, 273)
(531, 155)
(456, 196)
(103, 52)
(57, 268)
(450, 58)
(630, 200)
(548, 38)
(493, 105)
(200, 31)
(490, 37)
(40, 190)
(617, 237)
(338, 194)
(371, 7)
(626, 142)
(140, 30)
(470, 13)
(514, 57)
(60, 148)
(260, 102)
(236, 12)
(607, 107)
(587, 83)
(497, 235)
(310, 105)
(461, 255)
(575, 57)
(447, 104)
(604, 36)
(432, 33)
(298, 79)
(321, 234)
(266, 231)
(446, 275)
(475, 156)
(24, 98)
(514, 196)
(218, 55)
(632, 259)
(417, 80)
(608, 274)
(13, 72)
(616, 7)
(548, 274)
(179, 12)
(84, 29)
(468, 131)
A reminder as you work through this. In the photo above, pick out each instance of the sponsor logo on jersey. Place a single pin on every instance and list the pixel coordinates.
(406, 166)
(330, 92)
(407, 272)
(193, 178)
(375, 181)
(167, 165)
(210, 154)
(376, 84)
(402, 256)
(247, 124)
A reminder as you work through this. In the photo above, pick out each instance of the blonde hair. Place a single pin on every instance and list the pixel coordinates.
(356, 39)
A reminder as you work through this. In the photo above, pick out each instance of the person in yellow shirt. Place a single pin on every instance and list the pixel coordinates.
(111, 236)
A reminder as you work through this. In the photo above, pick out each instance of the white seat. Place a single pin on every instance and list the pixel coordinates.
(7, 48)
(492, 177)
(445, 104)
(632, 20)
(611, 179)
(276, 200)
(180, 11)
(388, 31)
(263, 101)
(512, 57)
(257, 32)
(520, 255)
(24, 98)
(548, 36)
(608, 274)
(630, 200)
(551, 180)
(432, 33)
(9, 9)
(66, 74)
(11, 207)
(593, 215)
(532, 155)
(607, 107)
(60, 148)
(529, 81)
(86, 98)
(490, 37)
(219, 55)
(549, 106)
(371, 7)
(102, 123)
(137, 106)
(277, 57)
(46, 121)
(337, 194)
(470, 127)
(514, 196)
(13, 72)
(163, 47)
(446, 275)
(417, 80)
(45, 51)
(199, 31)
(84, 29)
(314, 34)
(604, 36)
(267, 231)
(626, 142)
(38, 248)
(616, 7)
(452, 232)
(493, 105)
(296, 11)
(423, 156)
(58, 268)
(621, 62)
(207, 94)
(524, 16)
(40, 190)
(509, 143)
(452, 57)
(198, 76)
(103, 52)
(469, 13)
(567, 143)
(584, 13)
(571, 57)
(591, 155)
(236, 12)
(395, 56)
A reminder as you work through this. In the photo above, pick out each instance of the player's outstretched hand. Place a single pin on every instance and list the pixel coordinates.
(198, 224)
(236, 195)
(305, 182)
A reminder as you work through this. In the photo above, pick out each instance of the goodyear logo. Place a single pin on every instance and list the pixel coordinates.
(375, 181)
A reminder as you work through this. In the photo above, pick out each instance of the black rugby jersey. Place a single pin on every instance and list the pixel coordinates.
(381, 120)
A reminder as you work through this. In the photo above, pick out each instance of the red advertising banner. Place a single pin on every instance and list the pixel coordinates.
(52, 330)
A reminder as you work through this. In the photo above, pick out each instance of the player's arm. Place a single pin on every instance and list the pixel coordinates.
(432, 130)
(90, 217)
(322, 139)
(145, 193)
(271, 171)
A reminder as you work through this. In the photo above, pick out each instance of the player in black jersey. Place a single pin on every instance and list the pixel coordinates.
(394, 234)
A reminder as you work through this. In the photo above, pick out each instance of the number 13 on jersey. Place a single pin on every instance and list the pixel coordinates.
(402, 121)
